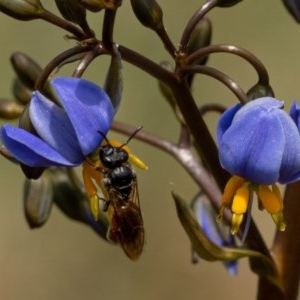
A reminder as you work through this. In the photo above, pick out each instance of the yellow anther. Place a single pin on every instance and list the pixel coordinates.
(234, 183)
(279, 221)
(136, 161)
(240, 200)
(236, 221)
(95, 207)
(270, 199)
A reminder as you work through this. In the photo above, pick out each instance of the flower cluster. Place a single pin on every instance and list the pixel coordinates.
(259, 144)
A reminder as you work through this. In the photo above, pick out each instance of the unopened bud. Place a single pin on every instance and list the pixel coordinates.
(294, 8)
(9, 109)
(72, 10)
(113, 85)
(149, 13)
(26, 68)
(259, 90)
(24, 10)
(21, 92)
(37, 200)
(200, 37)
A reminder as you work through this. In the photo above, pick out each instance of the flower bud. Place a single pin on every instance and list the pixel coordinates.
(37, 198)
(72, 10)
(9, 109)
(149, 13)
(21, 92)
(200, 37)
(113, 85)
(293, 6)
(259, 91)
(26, 68)
(24, 10)
(97, 5)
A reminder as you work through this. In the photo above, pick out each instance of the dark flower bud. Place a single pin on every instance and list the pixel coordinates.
(293, 6)
(21, 92)
(37, 198)
(97, 5)
(26, 68)
(9, 109)
(200, 37)
(228, 3)
(72, 10)
(259, 91)
(24, 10)
(149, 13)
(113, 85)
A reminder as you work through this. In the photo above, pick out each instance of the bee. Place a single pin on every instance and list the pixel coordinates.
(114, 174)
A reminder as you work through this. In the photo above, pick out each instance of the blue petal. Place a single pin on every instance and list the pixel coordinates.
(29, 149)
(88, 107)
(294, 113)
(290, 165)
(54, 127)
(253, 146)
(226, 119)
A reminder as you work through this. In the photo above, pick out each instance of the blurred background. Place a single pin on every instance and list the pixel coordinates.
(66, 260)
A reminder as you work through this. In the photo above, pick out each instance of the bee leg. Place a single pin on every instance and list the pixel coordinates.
(106, 204)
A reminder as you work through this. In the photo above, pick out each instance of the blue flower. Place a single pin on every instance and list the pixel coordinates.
(67, 134)
(259, 144)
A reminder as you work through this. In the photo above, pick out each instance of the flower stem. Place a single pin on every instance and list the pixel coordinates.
(64, 24)
(108, 27)
(232, 85)
(263, 77)
(199, 14)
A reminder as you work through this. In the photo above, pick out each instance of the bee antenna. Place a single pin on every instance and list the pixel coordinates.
(104, 137)
(131, 137)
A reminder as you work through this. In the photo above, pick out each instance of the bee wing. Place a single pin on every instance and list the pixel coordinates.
(127, 224)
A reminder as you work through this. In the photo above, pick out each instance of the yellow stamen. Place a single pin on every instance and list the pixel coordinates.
(136, 161)
(240, 200)
(236, 222)
(95, 207)
(234, 183)
(239, 207)
(270, 199)
(279, 221)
